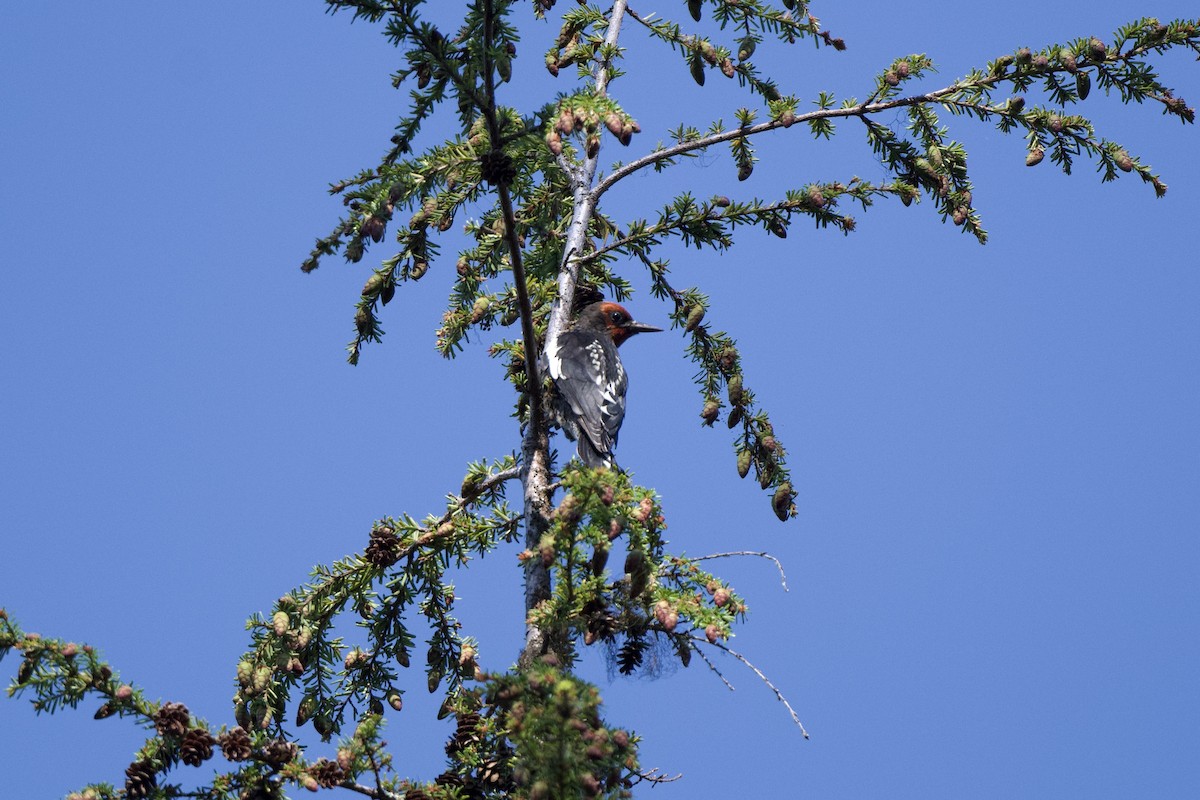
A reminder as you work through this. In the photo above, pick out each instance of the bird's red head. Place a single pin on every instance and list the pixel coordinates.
(617, 321)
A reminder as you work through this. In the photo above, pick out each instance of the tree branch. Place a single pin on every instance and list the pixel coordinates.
(584, 203)
(533, 386)
(377, 794)
(536, 445)
(759, 673)
(860, 110)
(782, 576)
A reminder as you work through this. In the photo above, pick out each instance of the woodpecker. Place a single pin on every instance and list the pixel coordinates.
(590, 380)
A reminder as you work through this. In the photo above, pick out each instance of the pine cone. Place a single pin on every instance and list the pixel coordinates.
(140, 780)
(468, 724)
(172, 719)
(328, 774)
(416, 794)
(497, 167)
(384, 549)
(197, 747)
(466, 734)
(447, 779)
(279, 752)
(235, 744)
(495, 774)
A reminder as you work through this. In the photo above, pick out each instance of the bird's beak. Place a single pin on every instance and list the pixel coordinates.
(640, 327)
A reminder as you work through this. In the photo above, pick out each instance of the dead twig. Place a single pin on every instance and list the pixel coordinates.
(782, 574)
(764, 678)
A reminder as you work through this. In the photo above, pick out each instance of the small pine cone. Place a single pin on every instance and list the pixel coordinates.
(781, 502)
(466, 734)
(1083, 85)
(327, 774)
(566, 122)
(468, 723)
(235, 744)
(197, 747)
(493, 774)
(279, 752)
(728, 358)
(497, 167)
(372, 227)
(614, 123)
(416, 794)
(736, 393)
(140, 780)
(384, 548)
(172, 719)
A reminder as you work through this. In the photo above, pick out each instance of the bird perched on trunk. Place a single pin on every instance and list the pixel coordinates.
(590, 380)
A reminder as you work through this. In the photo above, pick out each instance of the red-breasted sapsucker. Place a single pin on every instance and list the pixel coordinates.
(590, 381)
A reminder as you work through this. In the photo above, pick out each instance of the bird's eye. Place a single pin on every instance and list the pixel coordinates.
(615, 316)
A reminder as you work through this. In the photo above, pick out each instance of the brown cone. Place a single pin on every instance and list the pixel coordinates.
(172, 719)
(197, 747)
(140, 780)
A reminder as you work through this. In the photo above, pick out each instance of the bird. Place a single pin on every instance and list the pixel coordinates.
(590, 381)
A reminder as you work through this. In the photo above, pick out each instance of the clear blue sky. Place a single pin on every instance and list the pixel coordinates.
(994, 574)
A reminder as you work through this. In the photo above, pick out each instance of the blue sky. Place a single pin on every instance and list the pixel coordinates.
(992, 578)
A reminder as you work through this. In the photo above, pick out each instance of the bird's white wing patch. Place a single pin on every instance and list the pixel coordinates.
(554, 360)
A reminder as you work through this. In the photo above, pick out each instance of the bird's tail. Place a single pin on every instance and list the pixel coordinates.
(592, 457)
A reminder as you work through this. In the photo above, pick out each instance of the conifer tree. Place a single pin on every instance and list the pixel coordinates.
(333, 658)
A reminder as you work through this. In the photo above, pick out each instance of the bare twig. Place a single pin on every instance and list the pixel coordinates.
(650, 777)
(778, 564)
(713, 667)
(764, 678)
